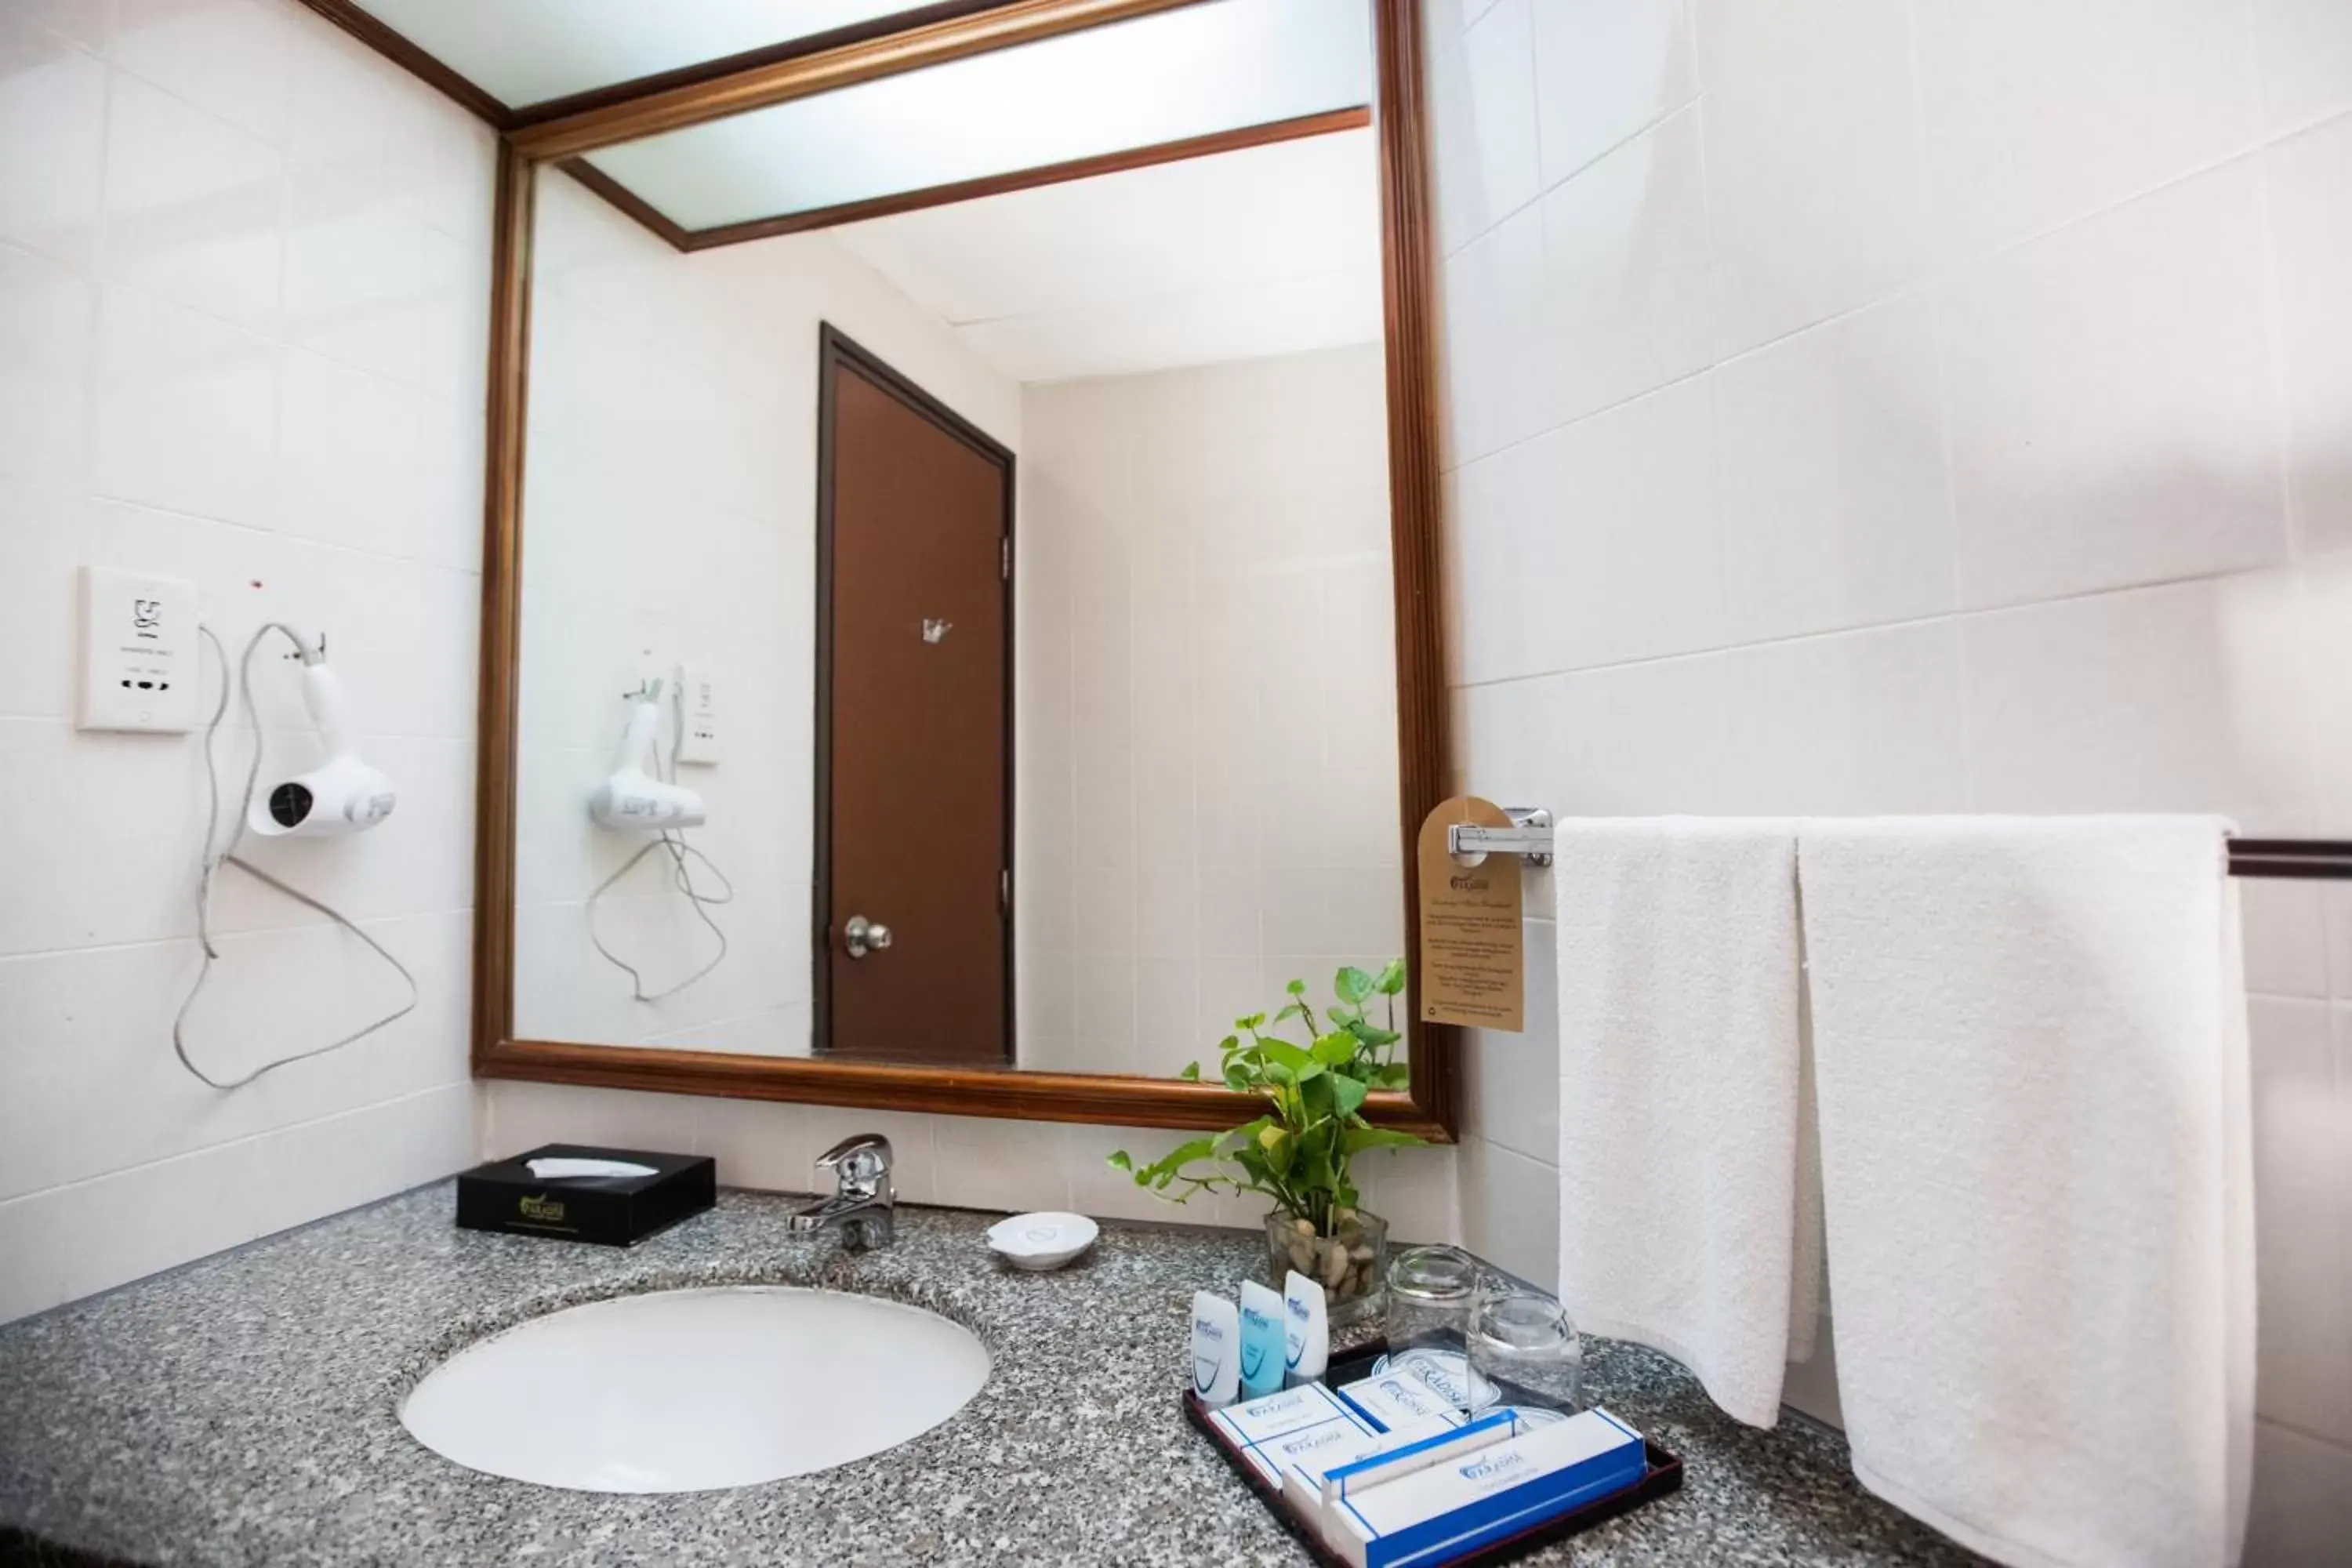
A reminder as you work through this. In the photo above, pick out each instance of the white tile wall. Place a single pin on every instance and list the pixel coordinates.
(2023, 355)
(160, 409)
(1206, 693)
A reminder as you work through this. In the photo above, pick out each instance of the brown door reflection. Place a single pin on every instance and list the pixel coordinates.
(914, 714)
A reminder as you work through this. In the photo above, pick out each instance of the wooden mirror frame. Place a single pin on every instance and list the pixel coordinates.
(1428, 1106)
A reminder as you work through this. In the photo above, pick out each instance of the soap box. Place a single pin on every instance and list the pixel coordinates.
(1435, 1512)
(612, 1210)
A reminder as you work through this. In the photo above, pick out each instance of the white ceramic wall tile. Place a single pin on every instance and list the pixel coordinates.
(1621, 537)
(2113, 417)
(151, 1217)
(1836, 492)
(1502, 377)
(1627, 292)
(185, 409)
(91, 1235)
(1604, 70)
(46, 314)
(2303, 1128)
(407, 684)
(76, 21)
(2285, 933)
(1414, 1190)
(53, 122)
(523, 1116)
(453, 320)
(364, 1155)
(193, 206)
(355, 274)
(1014, 1166)
(2189, 698)
(758, 1143)
(348, 446)
(229, 57)
(1510, 1211)
(1482, 93)
(92, 790)
(2041, 110)
(38, 620)
(2305, 48)
(1871, 722)
(2327, 616)
(1510, 1082)
(1815, 172)
(1639, 739)
(2303, 1500)
(2311, 214)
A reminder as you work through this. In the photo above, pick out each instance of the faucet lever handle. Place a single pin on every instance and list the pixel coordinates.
(861, 1160)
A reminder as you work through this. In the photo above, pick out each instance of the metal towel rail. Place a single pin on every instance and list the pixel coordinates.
(1529, 835)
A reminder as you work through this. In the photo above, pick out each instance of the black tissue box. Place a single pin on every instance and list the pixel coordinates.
(613, 1211)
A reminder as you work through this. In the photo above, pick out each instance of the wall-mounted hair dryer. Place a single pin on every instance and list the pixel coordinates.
(634, 797)
(342, 794)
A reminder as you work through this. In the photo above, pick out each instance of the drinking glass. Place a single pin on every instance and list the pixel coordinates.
(1524, 1343)
(1431, 1293)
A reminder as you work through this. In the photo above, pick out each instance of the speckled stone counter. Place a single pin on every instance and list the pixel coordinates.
(243, 1410)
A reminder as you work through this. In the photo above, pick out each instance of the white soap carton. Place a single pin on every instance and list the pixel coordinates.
(1344, 1437)
(1254, 1423)
(1399, 1397)
(1389, 1512)
(1305, 1468)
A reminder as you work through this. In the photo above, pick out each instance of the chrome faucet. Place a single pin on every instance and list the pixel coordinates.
(863, 1206)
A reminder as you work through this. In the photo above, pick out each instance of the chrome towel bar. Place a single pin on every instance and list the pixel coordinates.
(1529, 835)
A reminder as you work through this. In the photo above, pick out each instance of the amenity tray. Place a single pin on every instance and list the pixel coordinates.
(1665, 1474)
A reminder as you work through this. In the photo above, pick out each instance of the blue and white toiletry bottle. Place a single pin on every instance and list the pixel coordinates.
(1306, 1330)
(1265, 1345)
(1216, 1350)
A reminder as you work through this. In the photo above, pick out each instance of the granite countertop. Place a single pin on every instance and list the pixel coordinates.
(242, 1410)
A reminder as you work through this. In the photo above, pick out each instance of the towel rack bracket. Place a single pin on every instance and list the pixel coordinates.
(1529, 835)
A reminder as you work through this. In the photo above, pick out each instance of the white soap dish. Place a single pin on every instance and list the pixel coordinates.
(1040, 1241)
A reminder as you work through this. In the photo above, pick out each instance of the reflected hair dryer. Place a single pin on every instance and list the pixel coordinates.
(342, 794)
(632, 797)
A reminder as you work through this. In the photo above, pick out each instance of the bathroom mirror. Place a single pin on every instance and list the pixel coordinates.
(961, 625)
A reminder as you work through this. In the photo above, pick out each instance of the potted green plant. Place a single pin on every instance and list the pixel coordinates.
(1299, 1152)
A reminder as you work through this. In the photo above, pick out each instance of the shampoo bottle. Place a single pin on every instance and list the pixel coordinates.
(1264, 1346)
(1306, 1330)
(1216, 1350)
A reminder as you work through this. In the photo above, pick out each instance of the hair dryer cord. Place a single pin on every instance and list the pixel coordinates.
(242, 678)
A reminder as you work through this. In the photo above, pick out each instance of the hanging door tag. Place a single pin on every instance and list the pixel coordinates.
(1472, 946)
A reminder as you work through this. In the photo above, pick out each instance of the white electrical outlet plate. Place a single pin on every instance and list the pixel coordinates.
(139, 662)
(699, 694)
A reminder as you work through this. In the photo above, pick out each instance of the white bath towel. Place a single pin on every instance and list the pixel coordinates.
(2029, 1044)
(1679, 1095)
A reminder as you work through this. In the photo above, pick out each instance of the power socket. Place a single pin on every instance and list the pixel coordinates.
(139, 662)
(698, 701)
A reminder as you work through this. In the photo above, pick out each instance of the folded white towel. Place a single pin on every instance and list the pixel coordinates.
(2029, 1048)
(1679, 1073)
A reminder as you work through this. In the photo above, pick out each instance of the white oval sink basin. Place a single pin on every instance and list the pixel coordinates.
(687, 1390)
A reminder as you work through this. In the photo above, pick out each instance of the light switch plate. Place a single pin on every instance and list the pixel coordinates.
(698, 696)
(139, 663)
